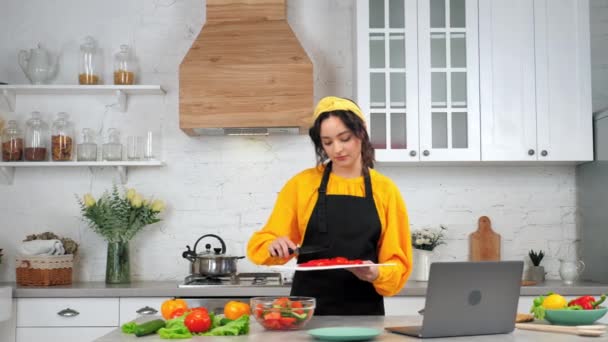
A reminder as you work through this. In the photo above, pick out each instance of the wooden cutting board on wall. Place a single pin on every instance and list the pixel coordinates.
(484, 244)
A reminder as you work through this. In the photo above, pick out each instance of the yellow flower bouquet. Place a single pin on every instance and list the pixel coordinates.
(118, 217)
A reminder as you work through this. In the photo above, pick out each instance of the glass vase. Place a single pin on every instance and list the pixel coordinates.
(118, 270)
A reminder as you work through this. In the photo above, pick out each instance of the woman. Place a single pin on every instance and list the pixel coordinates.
(346, 206)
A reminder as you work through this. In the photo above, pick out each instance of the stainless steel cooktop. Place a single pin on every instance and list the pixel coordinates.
(241, 279)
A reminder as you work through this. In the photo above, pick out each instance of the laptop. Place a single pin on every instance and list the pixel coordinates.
(469, 298)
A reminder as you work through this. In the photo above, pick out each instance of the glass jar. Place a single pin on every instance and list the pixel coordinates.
(87, 150)
(112, 149)
(125, 66)
(36, 138)
(12, 142)
(90, 70)
(62, 138)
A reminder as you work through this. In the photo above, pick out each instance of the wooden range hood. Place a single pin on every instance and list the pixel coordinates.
(245, 73)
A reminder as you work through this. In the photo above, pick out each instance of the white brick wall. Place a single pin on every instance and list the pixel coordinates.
(228, 185)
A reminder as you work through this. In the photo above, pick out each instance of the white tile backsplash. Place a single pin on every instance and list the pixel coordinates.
(228, 185)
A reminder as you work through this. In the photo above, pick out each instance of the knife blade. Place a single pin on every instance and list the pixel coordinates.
(307, 249)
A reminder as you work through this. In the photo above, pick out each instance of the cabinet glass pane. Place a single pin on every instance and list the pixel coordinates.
(398, 131)
(457, 13)
(438, 48)
(458, 50)
(397, 50)
(437, 13)
(378, 130)
(376, 13)
(438, 89)
(459, 89)
(440, 130)
(459, 130)
(396, 14)
(377, 90)
(398, 89)
(376, 50)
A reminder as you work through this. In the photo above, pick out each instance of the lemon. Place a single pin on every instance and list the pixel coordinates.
(554, 301)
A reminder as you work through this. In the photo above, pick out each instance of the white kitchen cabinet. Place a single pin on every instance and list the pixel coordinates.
(69, 334)
(535, 80)
(65, 319)
(417, 78)
(387, 76)
(394, 306)
(448, 80)
(132, 308)
(563, 80)
(507, 80)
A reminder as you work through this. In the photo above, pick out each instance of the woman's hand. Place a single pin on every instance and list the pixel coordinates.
(365, 273)
(280, 247)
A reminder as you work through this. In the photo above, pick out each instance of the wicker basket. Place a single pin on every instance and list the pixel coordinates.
(44, 270)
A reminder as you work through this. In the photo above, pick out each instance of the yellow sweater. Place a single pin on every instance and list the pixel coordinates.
(297, 200)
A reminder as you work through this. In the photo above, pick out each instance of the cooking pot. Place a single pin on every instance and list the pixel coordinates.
(211, 263)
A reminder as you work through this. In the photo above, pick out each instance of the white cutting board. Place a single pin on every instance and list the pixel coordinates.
(322, 268)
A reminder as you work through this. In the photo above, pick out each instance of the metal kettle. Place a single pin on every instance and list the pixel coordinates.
(211, 263)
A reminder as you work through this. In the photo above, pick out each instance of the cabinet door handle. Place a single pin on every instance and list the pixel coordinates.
(412, 153)
(146, 310)
(68, 313)
(530, 152)
(426, 153)
(544, 153)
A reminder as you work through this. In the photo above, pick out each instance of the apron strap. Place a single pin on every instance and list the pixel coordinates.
(322, 218)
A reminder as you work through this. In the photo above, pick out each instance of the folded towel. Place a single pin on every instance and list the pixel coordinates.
(42, 247)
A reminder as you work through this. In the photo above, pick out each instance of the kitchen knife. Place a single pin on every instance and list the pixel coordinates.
(307, 249)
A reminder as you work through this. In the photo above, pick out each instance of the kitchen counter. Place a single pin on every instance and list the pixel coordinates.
(170, 289)
(257, 332)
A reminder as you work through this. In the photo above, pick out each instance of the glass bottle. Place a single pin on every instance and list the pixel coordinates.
(62, 138)
(36, 138)
(90, 72)
(125, 66)
(12, 142)
(87, 150)
(112, 150)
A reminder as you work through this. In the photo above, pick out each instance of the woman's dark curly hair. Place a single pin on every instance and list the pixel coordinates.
(355, 124)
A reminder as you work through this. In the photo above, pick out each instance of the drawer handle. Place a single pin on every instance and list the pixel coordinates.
(68, 313)
(146, 310)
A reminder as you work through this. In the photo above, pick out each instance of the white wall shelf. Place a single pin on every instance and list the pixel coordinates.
(10, 92)
(7, 169)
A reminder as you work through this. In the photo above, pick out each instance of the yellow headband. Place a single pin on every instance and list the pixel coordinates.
(331, 103)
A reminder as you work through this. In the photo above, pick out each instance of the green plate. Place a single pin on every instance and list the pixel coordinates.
(344, 333)
(574, 317)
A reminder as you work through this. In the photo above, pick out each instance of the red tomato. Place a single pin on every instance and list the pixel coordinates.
(198, 321)
(200, 308)
(282, 302)
(259, 310)
(287, 321)
(272, 316)
(340, 261)
(177, 313)
(296, 305)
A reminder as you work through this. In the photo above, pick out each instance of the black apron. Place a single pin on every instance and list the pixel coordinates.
(351, 226)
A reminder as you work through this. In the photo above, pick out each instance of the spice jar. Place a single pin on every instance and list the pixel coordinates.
(125, 66)
(112, 149)
(90, 72)
(12, 142)
(62, 141)
(87, 150)
(36, 138)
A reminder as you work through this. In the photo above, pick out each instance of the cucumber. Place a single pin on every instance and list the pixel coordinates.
(149, 327)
